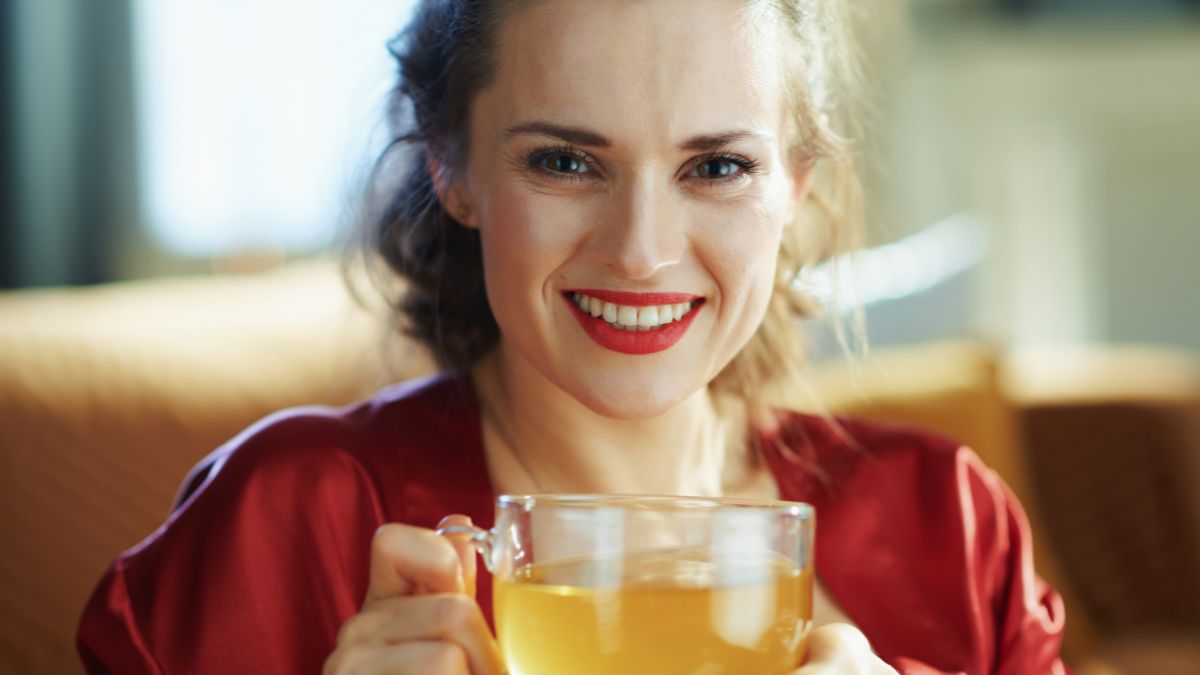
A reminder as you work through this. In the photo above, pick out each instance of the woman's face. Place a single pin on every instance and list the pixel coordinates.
(628, 173)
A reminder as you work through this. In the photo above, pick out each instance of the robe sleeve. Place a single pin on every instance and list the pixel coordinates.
(110, 641)
(1016, 618)
(257, 568)
(1028, 614)
(926, 549)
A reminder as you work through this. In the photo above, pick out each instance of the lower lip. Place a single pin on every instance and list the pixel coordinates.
(633, 342)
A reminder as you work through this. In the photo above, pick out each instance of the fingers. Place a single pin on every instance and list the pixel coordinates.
(406, 560)
(410, 658)
(841, 648)
(465, 549)
(450, 617)
(836, 638)
(417, 616)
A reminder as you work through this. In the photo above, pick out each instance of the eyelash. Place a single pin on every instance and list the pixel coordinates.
(534, 161)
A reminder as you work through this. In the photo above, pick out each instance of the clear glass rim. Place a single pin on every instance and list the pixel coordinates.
(801, 509)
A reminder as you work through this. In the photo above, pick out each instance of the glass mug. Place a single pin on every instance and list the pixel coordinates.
(609, 584)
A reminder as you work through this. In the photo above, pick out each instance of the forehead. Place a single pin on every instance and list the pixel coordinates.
(669, 67)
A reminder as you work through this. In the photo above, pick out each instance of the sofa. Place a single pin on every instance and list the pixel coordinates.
(109, 394)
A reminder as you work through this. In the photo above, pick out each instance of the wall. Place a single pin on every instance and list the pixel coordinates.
(1078, 143)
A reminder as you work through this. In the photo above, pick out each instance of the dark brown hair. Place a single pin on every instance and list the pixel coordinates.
(430, 267)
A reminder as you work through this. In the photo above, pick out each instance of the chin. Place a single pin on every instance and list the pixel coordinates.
(626, 398)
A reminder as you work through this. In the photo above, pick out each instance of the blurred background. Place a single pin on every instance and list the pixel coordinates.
(152, 137)
(176, 175)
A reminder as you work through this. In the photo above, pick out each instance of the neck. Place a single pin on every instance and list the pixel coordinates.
(539, 438)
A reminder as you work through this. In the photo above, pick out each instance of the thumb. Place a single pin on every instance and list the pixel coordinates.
(464, 548)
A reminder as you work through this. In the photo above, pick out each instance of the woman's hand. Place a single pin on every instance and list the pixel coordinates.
(420, 614)
(841, 648)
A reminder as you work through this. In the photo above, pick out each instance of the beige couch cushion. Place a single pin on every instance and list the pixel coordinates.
(108, 395)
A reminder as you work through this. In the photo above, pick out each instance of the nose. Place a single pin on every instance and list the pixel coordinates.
(642, 232)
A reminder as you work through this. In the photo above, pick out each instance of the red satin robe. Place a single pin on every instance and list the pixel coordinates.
(267, 553)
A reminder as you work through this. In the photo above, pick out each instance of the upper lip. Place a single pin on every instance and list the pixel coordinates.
(636, 299)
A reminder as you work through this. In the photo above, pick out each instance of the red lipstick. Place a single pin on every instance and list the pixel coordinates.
(634, 342)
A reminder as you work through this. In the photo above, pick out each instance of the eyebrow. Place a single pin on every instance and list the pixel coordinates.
(587, 137)
(707, 142)
(574, 135)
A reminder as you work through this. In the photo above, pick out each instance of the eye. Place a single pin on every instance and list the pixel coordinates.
(716, 168)
(723, 168)
(564, 164)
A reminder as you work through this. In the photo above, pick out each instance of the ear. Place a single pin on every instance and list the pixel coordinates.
(451, 191)
(801, 179)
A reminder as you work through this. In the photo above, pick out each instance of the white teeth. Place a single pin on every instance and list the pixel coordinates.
(626, 315)
(631, 318)
(610, 312)
(647, 317)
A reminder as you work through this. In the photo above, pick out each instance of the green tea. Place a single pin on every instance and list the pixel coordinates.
(654, 615)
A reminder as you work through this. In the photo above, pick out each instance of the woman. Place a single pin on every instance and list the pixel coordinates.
(600, 209)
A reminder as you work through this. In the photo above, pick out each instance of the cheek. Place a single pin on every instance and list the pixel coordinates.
(526, 241)
(742, 253)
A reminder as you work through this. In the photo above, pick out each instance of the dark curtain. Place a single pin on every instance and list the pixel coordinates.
(8, 226)
(68, 142)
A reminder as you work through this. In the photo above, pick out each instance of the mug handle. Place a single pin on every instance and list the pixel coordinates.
(483, 540)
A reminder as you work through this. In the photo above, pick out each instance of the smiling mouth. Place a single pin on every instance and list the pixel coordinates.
(634, 318)
(633, 323)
